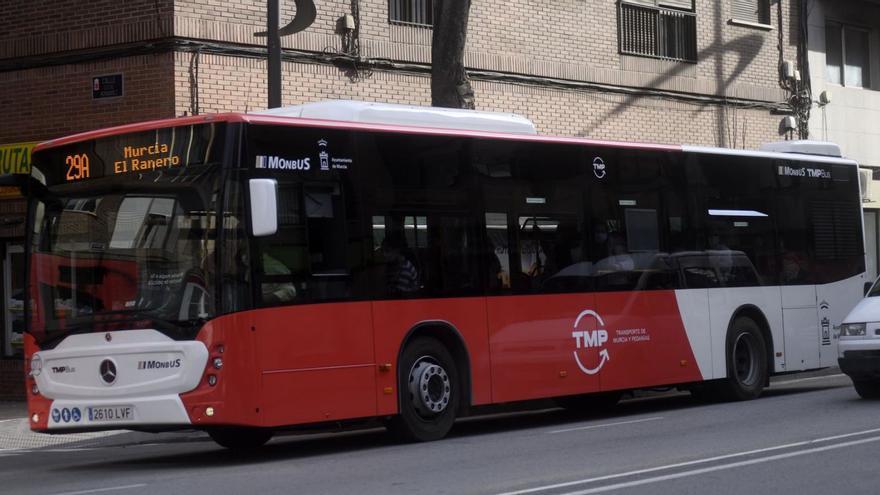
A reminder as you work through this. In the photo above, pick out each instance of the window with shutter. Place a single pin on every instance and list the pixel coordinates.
(665, 29)
(413, 12)
(754, 11)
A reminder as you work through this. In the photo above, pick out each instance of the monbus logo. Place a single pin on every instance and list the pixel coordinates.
(158, 365)
(278, 163)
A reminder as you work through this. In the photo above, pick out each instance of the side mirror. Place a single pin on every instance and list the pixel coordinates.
(868, 286)
(264, 207)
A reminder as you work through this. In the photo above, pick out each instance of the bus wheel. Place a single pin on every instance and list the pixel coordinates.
(240, 438)
(746, 361)
(867, 389)
(428, 391)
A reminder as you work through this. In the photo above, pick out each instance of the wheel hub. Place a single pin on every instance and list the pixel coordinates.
(744, 359)
(429, 387)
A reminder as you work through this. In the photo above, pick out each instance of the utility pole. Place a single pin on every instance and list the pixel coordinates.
(273, 44)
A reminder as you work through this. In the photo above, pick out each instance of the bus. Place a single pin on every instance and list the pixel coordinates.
(248, 273)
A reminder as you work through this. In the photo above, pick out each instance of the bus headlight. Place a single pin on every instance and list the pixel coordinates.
(852, 330)
(36, 365)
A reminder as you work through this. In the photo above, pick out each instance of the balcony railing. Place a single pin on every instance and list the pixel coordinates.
(657, 32)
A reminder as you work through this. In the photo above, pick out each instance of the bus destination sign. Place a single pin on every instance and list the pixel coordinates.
(132, 159)
(133, 156)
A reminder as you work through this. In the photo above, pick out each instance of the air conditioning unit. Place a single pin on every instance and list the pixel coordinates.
(865, 180)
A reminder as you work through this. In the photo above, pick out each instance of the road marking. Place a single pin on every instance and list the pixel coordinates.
(810, 379)
(692, 463)
(99, 490)
(655, 418)
(695, 472)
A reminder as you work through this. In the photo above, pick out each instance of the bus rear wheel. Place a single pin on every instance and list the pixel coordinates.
(428, 392)
(746, 361)
(867, 389)
(237, 438)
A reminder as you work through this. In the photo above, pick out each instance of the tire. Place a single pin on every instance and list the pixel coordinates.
(240, 438)
(746, 362)
(591, 403)
(867, 389)
(429, 392)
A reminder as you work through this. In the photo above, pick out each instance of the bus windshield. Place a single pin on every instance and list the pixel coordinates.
(125, 251)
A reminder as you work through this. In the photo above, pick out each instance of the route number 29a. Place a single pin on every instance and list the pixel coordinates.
(77, 167)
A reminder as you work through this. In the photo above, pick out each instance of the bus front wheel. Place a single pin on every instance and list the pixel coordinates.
(746, 361)
(428, 392)
(240, 438)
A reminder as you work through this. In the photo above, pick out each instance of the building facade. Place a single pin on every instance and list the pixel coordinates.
(844, 50)
(674, 71)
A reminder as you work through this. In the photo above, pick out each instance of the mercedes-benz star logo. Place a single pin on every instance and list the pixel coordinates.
(108, 371)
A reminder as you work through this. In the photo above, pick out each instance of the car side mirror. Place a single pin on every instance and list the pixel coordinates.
(264, 207)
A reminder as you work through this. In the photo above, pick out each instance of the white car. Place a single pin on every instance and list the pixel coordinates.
(859, 347)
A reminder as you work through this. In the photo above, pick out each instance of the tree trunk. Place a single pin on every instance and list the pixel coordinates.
(450, 87)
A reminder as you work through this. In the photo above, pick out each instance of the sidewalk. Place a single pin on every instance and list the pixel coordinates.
(15, 434)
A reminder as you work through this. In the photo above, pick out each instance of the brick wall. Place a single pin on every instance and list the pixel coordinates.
(228, 84)
(50, 102)
(11, 379)
(49, 26)
(570, 39)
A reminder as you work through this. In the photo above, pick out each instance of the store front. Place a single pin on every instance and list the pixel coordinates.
(14, 159)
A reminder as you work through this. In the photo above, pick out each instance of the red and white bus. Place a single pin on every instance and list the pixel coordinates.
(247, 273)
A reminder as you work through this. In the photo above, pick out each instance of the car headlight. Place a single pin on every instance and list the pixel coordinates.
(852, 330)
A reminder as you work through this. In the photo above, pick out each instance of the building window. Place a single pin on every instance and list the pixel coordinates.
(846, 55)
(752, 11)
(659, 29)
(412, 12)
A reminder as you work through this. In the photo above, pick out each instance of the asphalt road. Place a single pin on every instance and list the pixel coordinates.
(805, 436)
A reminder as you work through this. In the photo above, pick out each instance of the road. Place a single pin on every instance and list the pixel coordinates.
(805, 436)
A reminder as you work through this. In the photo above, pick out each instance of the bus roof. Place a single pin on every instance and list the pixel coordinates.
(444, 122)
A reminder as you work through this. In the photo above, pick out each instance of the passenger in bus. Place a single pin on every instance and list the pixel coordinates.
(276, 292)
(402, 275)
(794, 269)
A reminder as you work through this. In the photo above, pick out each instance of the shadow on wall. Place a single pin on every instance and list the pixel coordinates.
(743, 48)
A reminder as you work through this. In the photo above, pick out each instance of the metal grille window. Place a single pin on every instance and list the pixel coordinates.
(651, 29)
(412, 12)
(754, 11)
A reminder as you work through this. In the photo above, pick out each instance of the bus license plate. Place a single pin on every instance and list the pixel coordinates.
(110, 413)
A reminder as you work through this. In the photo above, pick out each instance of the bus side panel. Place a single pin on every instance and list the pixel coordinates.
(316, 361)
(835, 302)
(693, 304)
(236, 396)
(535, 352)
(647, 343)
(723, 303)
(394, 319)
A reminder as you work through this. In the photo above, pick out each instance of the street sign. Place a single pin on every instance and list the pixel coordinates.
(108, 86)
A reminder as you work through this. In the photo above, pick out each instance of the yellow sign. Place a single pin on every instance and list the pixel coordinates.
(16, 158)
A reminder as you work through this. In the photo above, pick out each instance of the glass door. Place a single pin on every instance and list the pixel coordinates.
(13, 288)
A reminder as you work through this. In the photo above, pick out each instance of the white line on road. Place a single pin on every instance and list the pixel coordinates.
(692, 463)
(810, 379)
(695, 472)
(108, 489)
(655, 418)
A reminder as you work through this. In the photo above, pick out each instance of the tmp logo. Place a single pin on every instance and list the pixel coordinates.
(590, 339)
(599, 167)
